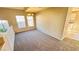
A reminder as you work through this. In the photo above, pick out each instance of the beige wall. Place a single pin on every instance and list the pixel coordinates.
(51, 21)
(10, 15)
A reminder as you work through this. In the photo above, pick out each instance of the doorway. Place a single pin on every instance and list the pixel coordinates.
(71, 28)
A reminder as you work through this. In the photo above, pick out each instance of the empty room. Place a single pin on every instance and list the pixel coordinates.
(39, 29)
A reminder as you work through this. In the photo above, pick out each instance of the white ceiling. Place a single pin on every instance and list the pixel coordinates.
(29, 9)
(34, 9)
(19, 8)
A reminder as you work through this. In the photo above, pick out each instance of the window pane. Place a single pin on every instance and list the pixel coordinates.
(4, 25)
(30, 21)
(1, 27)
(21, 21)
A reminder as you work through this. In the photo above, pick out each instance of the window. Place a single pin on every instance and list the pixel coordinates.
(30, 20)
(21, 21)
(3, 25)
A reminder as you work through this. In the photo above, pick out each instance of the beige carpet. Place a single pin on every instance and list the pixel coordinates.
(38, 41)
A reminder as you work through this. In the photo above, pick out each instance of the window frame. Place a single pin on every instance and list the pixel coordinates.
(32, 21)
(18, 22)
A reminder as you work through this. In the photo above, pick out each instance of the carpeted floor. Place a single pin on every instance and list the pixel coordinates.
(38, 41)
